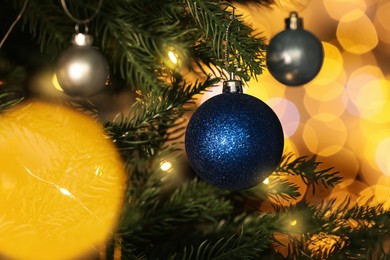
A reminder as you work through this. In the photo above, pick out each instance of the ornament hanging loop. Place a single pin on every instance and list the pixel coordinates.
(79, 29)
(232, 85)
(227, 40)
(294, 22)
(81, 21)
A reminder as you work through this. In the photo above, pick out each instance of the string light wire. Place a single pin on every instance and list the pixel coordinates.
(14, 23)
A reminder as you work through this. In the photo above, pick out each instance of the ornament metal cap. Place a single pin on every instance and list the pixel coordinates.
(82, 39)
(294, 21)
(232, 85)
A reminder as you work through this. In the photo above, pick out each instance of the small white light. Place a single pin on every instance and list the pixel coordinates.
(173, 57)
(165, 166)
(78, 70)
(80, 39)
(65, 192)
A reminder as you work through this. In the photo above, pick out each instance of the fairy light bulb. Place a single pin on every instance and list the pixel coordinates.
(165, 166)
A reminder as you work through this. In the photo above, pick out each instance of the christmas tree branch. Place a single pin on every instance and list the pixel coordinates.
(52, 34)
(191, 206)
(139, 44)
(150, 118)
(307, 170)
(244, 237)
(216, 21)
(8, 100)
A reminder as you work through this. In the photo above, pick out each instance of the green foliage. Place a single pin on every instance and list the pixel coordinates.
(192, 207)
(48, 24)
(307, 169)
(155, 118)
(8, 100)
(193, 220)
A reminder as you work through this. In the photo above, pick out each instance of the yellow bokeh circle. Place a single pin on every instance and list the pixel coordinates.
(61, 183)
(350, 29)
(367, 91)
(324, 134)
(337, 9)
(332, 67)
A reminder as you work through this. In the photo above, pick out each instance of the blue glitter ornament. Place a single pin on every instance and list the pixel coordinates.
(233, 140)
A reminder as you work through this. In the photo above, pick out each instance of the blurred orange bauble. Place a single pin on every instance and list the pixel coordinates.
(61, 183)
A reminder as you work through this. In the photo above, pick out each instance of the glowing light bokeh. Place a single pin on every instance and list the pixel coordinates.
(173, 57)
(326, 92)
(382, 156)
(338, 8)
(66, 178)
(265, 87)
(353, 62)
(345, 162)
(382, 15)
(367, 91)
(382, 22)
(287, 113)
(350, 29)
(328, 102)
(332, 67)
(165, 166)
(294, 5)
(324, 134)
(375, 195)
(290, 147)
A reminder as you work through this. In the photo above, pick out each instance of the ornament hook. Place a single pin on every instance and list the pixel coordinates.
(294, 22)
(232, 85)
(81, 21)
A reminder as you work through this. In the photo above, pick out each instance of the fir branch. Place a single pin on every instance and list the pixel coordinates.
(150, 118)
(226, 248)
(362, 228)
(8, 100)
(338, 232)
(47, 22)
(213, 19)
(307, 170)
(280, 188)
(192, 204)
(251, 236)
(138, 44)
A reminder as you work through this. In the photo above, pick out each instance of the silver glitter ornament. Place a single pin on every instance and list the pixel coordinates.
(81, 69)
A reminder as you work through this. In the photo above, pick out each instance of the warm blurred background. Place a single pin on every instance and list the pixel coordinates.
(343, 115)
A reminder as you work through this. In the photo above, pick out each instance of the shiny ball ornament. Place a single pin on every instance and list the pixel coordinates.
(61, 183)
(81, 69)
(234, 141)
(294, 56)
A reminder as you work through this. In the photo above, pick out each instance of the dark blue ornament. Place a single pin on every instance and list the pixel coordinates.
(234, 141)
(294, 56)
